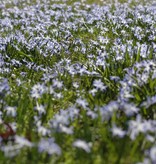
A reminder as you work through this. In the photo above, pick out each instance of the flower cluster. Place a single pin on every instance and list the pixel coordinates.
(77, 80)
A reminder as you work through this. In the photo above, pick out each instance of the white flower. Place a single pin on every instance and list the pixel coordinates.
(99, 85)
(150, 138)
(38, 90)
(92, 114)
(129, 108)
(23, 141)
(67, 130)
(58, 84)
(153, 154)
(42, 130)
(93, 91)
(82, 102)
(140, 126)
(48, 145)
(60, 119)
(118, 131)
(75, 85)
(83, 145)
(40, 109)
(150, 101)
(135, 126)
(11, 111)
(58, 95)
(4, 86)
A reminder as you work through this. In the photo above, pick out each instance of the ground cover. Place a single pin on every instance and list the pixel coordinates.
(78, 82)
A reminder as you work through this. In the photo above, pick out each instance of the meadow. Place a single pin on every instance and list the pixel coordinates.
(77, 82)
